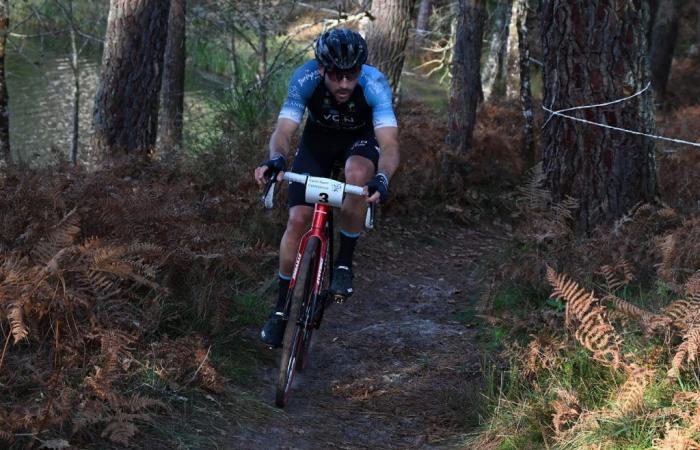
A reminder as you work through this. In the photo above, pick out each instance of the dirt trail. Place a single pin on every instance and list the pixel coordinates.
(391, 367)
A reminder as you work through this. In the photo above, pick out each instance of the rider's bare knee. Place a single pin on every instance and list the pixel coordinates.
(299, 221)
(358, 174)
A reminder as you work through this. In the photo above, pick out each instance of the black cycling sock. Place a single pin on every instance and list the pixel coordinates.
(283, 283)
(348, 241)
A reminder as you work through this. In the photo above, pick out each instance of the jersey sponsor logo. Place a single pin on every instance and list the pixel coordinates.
(310, 75)
(360, 143)
(336, 118)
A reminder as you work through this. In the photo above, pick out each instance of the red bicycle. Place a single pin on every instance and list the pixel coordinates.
(308, 294)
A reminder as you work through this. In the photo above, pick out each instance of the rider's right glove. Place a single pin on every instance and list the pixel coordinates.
(275, 165)
(380, 183)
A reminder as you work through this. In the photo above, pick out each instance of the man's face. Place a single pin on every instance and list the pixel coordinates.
(341, 84)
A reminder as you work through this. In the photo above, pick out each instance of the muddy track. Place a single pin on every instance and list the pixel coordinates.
(391, 367)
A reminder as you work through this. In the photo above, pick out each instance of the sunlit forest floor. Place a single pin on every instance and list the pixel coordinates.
(136, 293)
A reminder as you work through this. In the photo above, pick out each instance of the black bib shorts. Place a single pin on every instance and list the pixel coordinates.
(319, 152)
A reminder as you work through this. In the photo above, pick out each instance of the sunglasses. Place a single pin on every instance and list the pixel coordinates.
(350, 75)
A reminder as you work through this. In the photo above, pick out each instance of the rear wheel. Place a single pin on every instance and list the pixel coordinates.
(298, 333)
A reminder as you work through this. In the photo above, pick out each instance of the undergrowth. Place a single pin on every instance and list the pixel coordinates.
(114, 288)
(609, 361)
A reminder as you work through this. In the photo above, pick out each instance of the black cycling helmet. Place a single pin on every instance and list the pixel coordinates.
(341, 49)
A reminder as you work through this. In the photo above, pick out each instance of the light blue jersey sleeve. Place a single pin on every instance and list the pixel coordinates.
(378, 95)
(301, 86)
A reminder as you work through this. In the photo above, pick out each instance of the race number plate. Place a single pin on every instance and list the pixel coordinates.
(324, 190)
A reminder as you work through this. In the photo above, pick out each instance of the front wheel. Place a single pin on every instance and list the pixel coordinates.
(298, 333)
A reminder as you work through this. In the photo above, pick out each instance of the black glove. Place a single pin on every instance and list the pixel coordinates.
(275, 165)
(380, 183)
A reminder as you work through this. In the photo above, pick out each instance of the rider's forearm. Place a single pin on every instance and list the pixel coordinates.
(389, 160)
(279, 145)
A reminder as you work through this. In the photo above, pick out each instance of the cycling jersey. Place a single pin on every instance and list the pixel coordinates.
(368, 107)
(334, 132)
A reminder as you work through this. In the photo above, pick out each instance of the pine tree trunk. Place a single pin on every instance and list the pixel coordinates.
(465, 90)
(173, 82)
(525, 87)
(697, 26)
(663, 44)
(595, 51)
(4, 112)
(492, 72)
(75, 67)
(519, 11)
(423, 20)
(126, 104)
(387, 36)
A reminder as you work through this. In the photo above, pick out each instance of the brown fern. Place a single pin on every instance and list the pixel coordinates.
(630, 397)
(687, 350)
(18, 328)
(677, 439)
(566, 410)
(532, 194)
(650, 322)
(542, 353)
(120, 431)
(679, 251)
(61, 236)
(6, 436)
(691, 288)
(586, 317)
(683, 313)
(617, 275)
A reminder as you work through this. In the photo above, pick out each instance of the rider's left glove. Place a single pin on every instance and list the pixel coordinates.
(275, 165)
(380, 183)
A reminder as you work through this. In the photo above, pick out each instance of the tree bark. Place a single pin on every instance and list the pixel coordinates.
(664, 35)
(513, 58)
(4, 112)
(697, 26)
(75, 67)
(173, 82)
(492, 72)
(595, 51)
(387, 36)
(126, 104)
(465, 89)
(521, 15)
(423, 20)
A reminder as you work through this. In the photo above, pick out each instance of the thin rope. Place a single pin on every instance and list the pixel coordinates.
(639, 133)
(598, 105)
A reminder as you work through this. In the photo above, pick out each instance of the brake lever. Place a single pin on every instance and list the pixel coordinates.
(269, 194)
(369, 217)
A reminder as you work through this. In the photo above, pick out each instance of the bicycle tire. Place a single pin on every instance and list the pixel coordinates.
(297, 333)
(315, 306)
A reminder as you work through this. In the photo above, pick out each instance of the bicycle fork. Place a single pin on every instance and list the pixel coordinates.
(321, 228)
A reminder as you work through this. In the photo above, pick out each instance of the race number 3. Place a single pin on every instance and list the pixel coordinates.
(324, 190)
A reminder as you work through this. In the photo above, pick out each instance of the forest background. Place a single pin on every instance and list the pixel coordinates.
(134, 248)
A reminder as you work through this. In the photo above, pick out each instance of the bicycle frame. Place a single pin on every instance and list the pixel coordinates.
(305, 303)
(321, 218)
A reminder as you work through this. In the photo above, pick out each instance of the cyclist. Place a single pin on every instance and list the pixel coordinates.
(351, 121)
